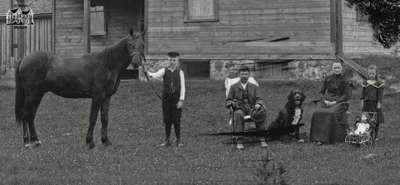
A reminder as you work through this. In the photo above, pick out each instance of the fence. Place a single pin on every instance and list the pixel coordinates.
(36, 37)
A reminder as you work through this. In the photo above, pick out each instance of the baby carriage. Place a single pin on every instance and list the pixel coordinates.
(364, 132)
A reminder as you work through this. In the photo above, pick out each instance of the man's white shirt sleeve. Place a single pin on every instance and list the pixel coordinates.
(183, 88)
(158, 75)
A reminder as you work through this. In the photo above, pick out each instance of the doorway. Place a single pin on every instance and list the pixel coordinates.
(123, 15)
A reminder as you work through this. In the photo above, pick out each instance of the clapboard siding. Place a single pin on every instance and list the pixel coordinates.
(69, 28)
(306, 22)
(119, 18)
(5, 5)
(5, 51)
(358, 36)
(38, 6)
(36, 37)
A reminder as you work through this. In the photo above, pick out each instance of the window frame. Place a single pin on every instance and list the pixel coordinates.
(185, 64)
(95, 11)
(188, 19)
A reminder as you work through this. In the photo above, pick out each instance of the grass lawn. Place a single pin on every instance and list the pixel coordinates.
(136, 130)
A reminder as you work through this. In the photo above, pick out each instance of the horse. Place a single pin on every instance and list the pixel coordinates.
(94, 75)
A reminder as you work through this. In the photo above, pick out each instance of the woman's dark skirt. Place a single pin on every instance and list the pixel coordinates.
(328, 124)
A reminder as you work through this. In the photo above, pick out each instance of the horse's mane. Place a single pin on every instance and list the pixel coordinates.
(116, 51)
(121, 53)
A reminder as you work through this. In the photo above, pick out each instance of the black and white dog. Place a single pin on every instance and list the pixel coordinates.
(288, 121)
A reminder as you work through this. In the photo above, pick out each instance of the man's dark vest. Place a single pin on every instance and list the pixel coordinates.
(172, 81)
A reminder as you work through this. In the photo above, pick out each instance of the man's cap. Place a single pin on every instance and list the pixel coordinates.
(372, 67)
(173, 54)
(244, 68)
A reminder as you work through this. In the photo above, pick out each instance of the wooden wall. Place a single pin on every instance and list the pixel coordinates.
(69, 28)
(4, 6)
(38, 6)
(38, 36)
(358, 39)
(5, 47)
(35, 37)
(306, 22)
(120, 16)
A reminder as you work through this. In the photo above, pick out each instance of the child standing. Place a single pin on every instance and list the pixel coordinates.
(173, 95)
(372, 96)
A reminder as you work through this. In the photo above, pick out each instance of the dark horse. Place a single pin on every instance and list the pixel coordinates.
(95, 76)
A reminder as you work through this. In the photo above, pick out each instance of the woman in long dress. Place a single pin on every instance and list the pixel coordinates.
(329, 121)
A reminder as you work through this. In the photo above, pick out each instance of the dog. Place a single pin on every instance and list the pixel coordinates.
(288, 122)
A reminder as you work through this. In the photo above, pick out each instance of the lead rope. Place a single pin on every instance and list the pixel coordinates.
(148, 79)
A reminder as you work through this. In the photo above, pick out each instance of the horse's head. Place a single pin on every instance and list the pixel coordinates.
(135, 46)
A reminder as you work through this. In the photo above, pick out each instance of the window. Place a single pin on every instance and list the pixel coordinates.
(97, 23)
(201, 10)
(273, 69)
(196, 69)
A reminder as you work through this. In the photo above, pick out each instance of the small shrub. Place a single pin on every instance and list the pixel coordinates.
(271, 172)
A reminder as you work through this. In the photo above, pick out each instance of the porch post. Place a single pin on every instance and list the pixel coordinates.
(339, 27)
(11, 36)
(53, 27)
(86, 26)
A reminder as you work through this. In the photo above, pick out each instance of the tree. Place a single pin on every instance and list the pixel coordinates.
(384, 16)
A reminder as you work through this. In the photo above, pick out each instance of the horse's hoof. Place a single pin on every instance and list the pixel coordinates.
(37, 143)
(28, 145)
(89, 140)
(91, 145)
(106, 142)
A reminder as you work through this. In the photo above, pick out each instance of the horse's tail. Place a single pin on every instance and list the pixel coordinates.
(19, 95)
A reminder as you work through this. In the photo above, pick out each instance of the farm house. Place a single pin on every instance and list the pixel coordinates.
(208, 33)
(197, 126)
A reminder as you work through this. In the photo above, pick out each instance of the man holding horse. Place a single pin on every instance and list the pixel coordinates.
(173, 95)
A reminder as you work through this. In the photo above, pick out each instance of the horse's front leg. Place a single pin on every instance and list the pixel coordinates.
(94, 110)
(104, 121)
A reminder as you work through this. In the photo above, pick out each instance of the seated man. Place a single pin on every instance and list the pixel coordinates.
(230, 81)
(233, 78)
(245, 100)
